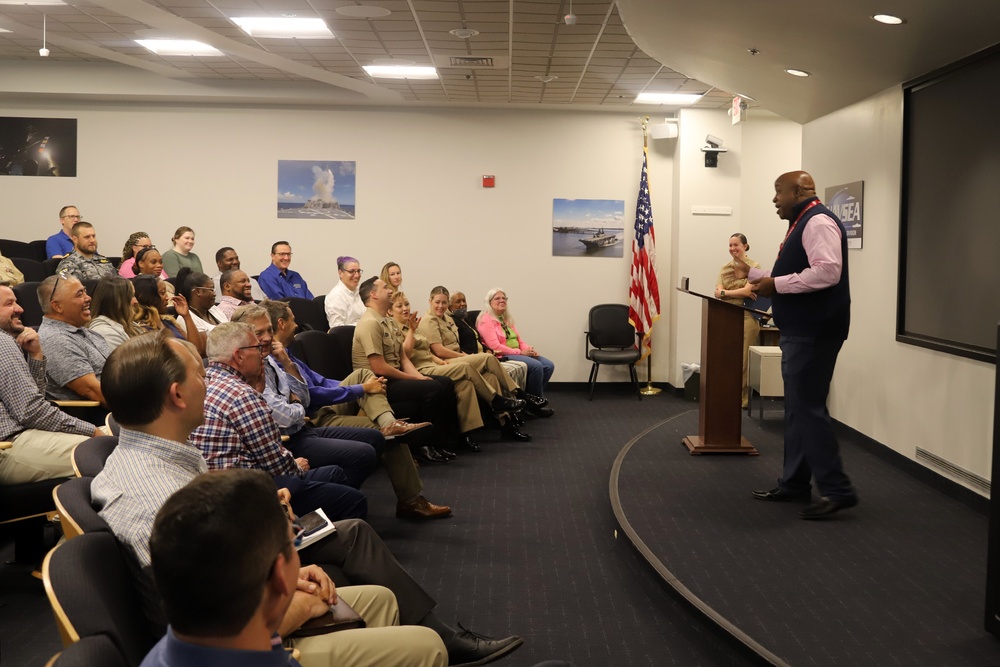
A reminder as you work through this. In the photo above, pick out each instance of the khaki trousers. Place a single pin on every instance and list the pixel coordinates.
(468, 385)
(396, 455)
(489, 367)
(36, 455)
(382, 642)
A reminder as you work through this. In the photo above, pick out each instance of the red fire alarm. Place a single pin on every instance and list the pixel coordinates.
(489, 181)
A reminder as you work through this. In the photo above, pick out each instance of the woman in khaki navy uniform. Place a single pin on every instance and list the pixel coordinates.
(734, 290)
(468, 383)
(440, 330)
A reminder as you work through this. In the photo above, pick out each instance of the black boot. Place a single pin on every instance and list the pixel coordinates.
(510, 431)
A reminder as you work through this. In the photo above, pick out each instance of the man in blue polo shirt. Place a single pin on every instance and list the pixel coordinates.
(60, 244)
(280, 282)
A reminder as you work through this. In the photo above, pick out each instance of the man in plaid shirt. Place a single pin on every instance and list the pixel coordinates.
(239, 431)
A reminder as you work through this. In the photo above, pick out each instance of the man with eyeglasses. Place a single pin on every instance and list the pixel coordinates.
(60, 244)
(75, 354)
(280, 282)
(85, 262)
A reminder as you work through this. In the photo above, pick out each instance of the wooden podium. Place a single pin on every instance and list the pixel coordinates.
(720, 417)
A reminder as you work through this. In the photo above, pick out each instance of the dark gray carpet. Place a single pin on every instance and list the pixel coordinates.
(899, 580)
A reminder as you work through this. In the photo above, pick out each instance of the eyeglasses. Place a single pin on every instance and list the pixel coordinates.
(74, 217)
(210, 289)
(283, 254)
(62, 275)
(499, 298)
(353, 272)
(259, 347)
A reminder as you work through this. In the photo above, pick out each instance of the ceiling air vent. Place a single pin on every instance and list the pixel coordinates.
(471, 62)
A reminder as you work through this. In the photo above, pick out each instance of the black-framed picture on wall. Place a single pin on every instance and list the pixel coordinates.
(37, 146)
(316, 189)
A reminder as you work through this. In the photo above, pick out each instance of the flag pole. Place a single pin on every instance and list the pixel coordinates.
(649, 389)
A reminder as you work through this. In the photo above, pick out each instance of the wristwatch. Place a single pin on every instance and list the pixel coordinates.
(722, 293)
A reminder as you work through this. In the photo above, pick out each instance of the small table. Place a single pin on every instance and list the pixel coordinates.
(764, 376)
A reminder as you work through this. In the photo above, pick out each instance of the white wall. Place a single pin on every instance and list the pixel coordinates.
(419, 197)
(902, 396)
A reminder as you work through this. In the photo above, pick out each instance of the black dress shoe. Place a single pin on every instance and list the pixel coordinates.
(502, 404)
(465, 442)
(467, 648)
(516, 419)
(446, 453)
(510, 431)
(427, 455)
(779, 495)
(824, 507)
(531, 399)
(540, 411)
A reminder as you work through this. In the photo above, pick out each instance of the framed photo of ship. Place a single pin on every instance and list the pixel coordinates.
(588, 227)
(316, 189)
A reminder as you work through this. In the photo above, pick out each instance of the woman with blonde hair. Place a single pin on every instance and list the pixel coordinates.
(735, 290)
(499, 333)
(111, 310)
(441, 332)
(180, 255)
(392, 276)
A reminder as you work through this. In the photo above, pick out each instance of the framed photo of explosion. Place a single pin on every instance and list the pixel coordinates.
(37, 146)
(316, 189)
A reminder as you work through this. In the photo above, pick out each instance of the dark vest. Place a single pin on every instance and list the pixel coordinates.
(822, 314)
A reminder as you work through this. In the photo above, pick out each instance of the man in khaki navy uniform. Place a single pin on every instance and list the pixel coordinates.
(411, 395)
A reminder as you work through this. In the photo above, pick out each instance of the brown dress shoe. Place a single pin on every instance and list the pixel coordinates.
(421, 508)
(400, 427)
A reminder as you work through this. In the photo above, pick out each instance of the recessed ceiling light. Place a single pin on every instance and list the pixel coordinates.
(5, 30)
(678, 99)
(548, 78)
(797, 72)
(363, 11)
(401, 71)
(464, 33)
(34, 3)
(889, 19)
(283, 28)
(178, 47)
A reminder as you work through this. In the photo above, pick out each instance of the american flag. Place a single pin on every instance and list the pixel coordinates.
(644, 294)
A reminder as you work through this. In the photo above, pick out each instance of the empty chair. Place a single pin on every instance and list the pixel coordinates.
(88, 652)
(92, 593)
(27, 298)
(91, 454)
(12, 248)
(316, 349)
(25, 506)
(33, 270)
(309, 314)
(74, 503)
(38, 250)
(613, 340)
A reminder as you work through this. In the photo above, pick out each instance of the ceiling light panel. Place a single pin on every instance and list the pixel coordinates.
(401, 72)
(676, 99)
(283, 28)
(178, 47)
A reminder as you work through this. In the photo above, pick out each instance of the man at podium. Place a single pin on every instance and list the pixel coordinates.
(811, 302)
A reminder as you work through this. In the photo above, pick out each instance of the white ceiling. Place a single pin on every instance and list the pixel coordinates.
(668, 46)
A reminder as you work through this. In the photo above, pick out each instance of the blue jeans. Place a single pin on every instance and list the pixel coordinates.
(540, 370)
(324, 487)
(811, 449)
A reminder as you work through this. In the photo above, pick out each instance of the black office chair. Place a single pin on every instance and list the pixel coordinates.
(51, 265)
(25, 507)
(33, 270)
(90, 455)
(37, 249)
(76, 509)
(614, 341)
(321, 352)
(88, 652)
(27, 298)
(92, 593)
(11, 248)
(343, 344)
(310, 315)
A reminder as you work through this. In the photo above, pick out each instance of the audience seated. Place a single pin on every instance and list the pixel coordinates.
(353, 449)
(180, 256)
(42, 436)
(111, 311)
(496, 326)
(378, 348)
(470, 342)
(235, 292)
(9, 273)
(85, 262)
(60, 244)
(155, 389)
(239, 431)
(75, 354)
(392, 276)
(343, 304)
(151, 314)
(280, 282)
(333, 403)
(227, 259)
(136, 242)
(149, 262)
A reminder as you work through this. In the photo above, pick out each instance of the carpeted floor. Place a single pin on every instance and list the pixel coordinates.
(532, 549)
